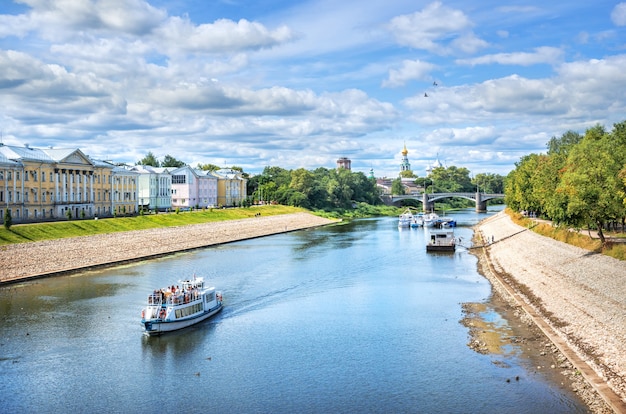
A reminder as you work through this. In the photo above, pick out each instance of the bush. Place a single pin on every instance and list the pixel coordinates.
(8, 220)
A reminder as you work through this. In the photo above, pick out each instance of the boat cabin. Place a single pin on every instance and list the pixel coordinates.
(441, 240)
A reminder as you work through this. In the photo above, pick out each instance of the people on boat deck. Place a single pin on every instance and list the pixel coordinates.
(174, 294)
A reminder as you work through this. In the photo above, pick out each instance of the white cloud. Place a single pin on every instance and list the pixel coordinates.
(432, 28)
(410, 70)
(469, 43)
(618, 14)
(59, 19)
(222, 36)
(541, 55)
(90, 22)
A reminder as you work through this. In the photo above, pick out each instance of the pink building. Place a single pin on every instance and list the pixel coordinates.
(193, 188)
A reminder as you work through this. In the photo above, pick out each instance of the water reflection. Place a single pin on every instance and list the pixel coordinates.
(178, 343)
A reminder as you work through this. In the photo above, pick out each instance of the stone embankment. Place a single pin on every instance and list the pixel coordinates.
(38, 259)
(577, 297)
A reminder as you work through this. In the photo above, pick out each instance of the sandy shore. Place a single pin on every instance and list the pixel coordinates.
(38, 259)
(577, 298)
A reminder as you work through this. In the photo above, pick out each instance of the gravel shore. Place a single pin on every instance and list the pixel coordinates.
(37, 259)
(577, 297)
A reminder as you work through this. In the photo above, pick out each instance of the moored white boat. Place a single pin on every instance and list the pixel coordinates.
(417, 221)
(174, 307)
(430, 219)
(448, 222)
(405, 219)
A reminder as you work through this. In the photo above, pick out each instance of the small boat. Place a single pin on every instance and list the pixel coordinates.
(430, 219)
(173, 308)
(405, 219)
(448, 222)
(441, 240)
(417, 221)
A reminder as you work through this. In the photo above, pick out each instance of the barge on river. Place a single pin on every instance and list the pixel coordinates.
(441, 240)
(175, 307)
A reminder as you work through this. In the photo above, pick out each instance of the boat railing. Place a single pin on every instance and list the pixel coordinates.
(154, 299)
(181, 298)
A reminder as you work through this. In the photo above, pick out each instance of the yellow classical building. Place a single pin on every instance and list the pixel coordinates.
(231, 188)
(47, 184)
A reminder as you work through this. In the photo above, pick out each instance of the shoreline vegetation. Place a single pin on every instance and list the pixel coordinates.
(573, 321)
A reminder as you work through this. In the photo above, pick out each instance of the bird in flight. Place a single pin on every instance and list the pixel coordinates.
(425, 95)
(435, 83)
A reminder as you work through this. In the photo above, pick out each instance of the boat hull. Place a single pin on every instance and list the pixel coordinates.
(156, 327)
(438, 248)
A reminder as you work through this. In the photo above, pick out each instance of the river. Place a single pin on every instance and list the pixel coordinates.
(346, 318)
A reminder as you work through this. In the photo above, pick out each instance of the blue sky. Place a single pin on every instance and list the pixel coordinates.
(301, 84)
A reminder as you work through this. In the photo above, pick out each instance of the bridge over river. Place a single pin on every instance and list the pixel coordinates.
(428, 199)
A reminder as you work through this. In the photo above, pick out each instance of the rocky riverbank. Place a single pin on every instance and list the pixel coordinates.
(576, 297)
(37, 259)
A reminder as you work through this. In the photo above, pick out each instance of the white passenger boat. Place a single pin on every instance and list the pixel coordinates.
(177, 307)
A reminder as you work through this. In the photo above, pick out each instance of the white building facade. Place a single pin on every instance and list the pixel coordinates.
(154, 187)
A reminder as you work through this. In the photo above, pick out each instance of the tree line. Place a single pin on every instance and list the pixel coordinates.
(454, 180)
(340, 189)
(320, 189)
(580, 181)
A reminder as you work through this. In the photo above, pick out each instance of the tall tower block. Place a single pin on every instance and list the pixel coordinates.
(344, 163)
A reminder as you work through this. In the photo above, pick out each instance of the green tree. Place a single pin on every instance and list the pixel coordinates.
(452, 179)
(302, 181)
(149, 159)
(591, 182)
(487, 183)
(208, 167)
(396, 187)
(8, 220)
(169, 161)
(518, 190)
(564, 143)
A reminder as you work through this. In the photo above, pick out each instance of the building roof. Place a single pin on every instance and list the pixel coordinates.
(25, 153)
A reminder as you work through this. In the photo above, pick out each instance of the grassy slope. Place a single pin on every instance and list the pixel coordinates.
(579, 239)
(22, 233)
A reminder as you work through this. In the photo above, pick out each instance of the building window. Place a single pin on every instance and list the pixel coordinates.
(179, 179)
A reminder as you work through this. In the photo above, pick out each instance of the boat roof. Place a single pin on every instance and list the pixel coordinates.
(445, 230)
